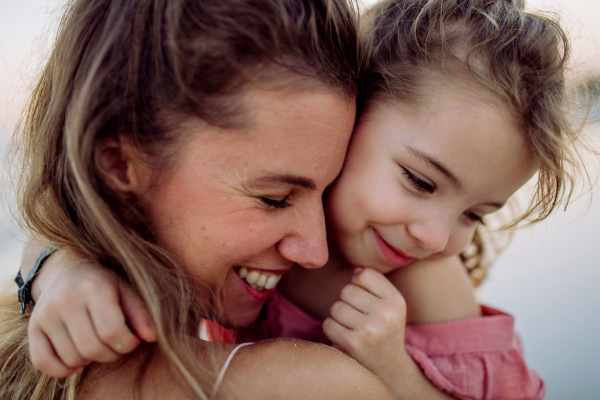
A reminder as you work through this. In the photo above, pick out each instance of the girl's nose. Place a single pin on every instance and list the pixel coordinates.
(432, 234)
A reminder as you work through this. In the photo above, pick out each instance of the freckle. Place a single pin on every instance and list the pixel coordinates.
(205, 237)
(203, 228)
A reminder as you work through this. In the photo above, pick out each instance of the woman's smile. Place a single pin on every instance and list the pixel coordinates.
(260, 284)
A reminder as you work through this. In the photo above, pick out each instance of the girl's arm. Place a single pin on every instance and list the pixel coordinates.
(452, 348)
(436, 291)
(451, 337)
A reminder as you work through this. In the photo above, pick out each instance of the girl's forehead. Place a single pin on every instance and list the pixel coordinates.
(477, 142)
(450, 111)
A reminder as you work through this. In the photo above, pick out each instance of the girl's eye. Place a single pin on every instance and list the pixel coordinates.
(275, 203)
(474, 217)
(418, 183)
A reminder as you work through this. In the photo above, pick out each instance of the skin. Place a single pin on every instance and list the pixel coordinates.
(363, 311)
(311, 364)
(473, 137)
(389, 190)
(213, 211)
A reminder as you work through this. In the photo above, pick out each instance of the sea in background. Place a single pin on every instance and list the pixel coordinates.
(548, 277)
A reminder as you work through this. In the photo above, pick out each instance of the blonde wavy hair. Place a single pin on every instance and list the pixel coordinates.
(116, 67)
(491, 45)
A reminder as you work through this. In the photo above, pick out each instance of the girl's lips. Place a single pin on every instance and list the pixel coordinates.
(391, 254)
(260, 295)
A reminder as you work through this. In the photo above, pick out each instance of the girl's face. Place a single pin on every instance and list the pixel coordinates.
(251, 199)
(417, 181)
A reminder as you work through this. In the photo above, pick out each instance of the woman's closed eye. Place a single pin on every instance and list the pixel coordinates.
(417, 182)
(276, 203)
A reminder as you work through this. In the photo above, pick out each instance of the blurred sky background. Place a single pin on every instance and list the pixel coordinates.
(549, 277)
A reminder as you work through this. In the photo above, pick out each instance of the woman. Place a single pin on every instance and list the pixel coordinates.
(160, 139)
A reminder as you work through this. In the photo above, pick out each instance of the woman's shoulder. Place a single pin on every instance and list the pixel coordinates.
(296, 369)
(274, 369)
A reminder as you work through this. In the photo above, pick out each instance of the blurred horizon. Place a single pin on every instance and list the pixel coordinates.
(547, 278)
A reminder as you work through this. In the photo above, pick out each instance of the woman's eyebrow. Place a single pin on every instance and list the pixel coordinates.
(287, 179)
(436, 164)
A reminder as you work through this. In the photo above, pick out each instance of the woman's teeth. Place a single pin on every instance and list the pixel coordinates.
(257, 280)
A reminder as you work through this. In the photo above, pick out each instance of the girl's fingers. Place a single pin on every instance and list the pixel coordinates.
(346, 315)
(109, 327)
(86, 340)
(374, 282)
(62, 344)
(359, 298)
(136, 314)
(44, 358)
(339, 335)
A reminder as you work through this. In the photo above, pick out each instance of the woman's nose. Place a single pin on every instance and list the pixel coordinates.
(306, 243)
(432, 233)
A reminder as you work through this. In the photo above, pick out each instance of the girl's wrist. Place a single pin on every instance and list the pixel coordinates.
(397, 366)
(62, 259)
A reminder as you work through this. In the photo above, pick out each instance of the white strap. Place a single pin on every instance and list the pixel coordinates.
(224, 368)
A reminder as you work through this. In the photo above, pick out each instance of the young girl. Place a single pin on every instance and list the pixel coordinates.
(463, 104)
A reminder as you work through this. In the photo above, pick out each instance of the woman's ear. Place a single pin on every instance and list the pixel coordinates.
(121, 166)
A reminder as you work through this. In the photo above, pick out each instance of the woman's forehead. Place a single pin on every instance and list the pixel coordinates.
(299, 133)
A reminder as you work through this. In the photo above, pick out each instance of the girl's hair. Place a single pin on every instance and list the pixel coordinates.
(492, 46)
(138, 68)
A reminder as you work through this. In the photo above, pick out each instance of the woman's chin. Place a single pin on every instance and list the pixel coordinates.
(239, 317)
(238, 307)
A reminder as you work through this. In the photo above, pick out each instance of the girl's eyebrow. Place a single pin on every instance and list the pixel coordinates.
(494, 204)
(436, 164)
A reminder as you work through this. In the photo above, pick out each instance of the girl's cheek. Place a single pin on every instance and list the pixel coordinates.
(459, 241)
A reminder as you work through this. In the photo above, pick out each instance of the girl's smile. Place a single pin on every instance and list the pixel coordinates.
(417, 180)
(392, 254)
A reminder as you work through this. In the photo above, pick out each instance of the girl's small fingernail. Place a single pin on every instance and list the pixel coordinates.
(357, 270)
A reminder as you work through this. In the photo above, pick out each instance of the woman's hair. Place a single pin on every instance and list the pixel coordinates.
(494, 47)
(138, 68)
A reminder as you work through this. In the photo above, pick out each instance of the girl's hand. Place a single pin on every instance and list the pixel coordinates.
(368, 322)
(82, 315)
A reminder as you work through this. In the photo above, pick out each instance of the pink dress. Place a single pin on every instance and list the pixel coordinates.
(478, 358)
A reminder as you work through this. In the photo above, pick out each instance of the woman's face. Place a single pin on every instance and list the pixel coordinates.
(249, 201)
(417, 181)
